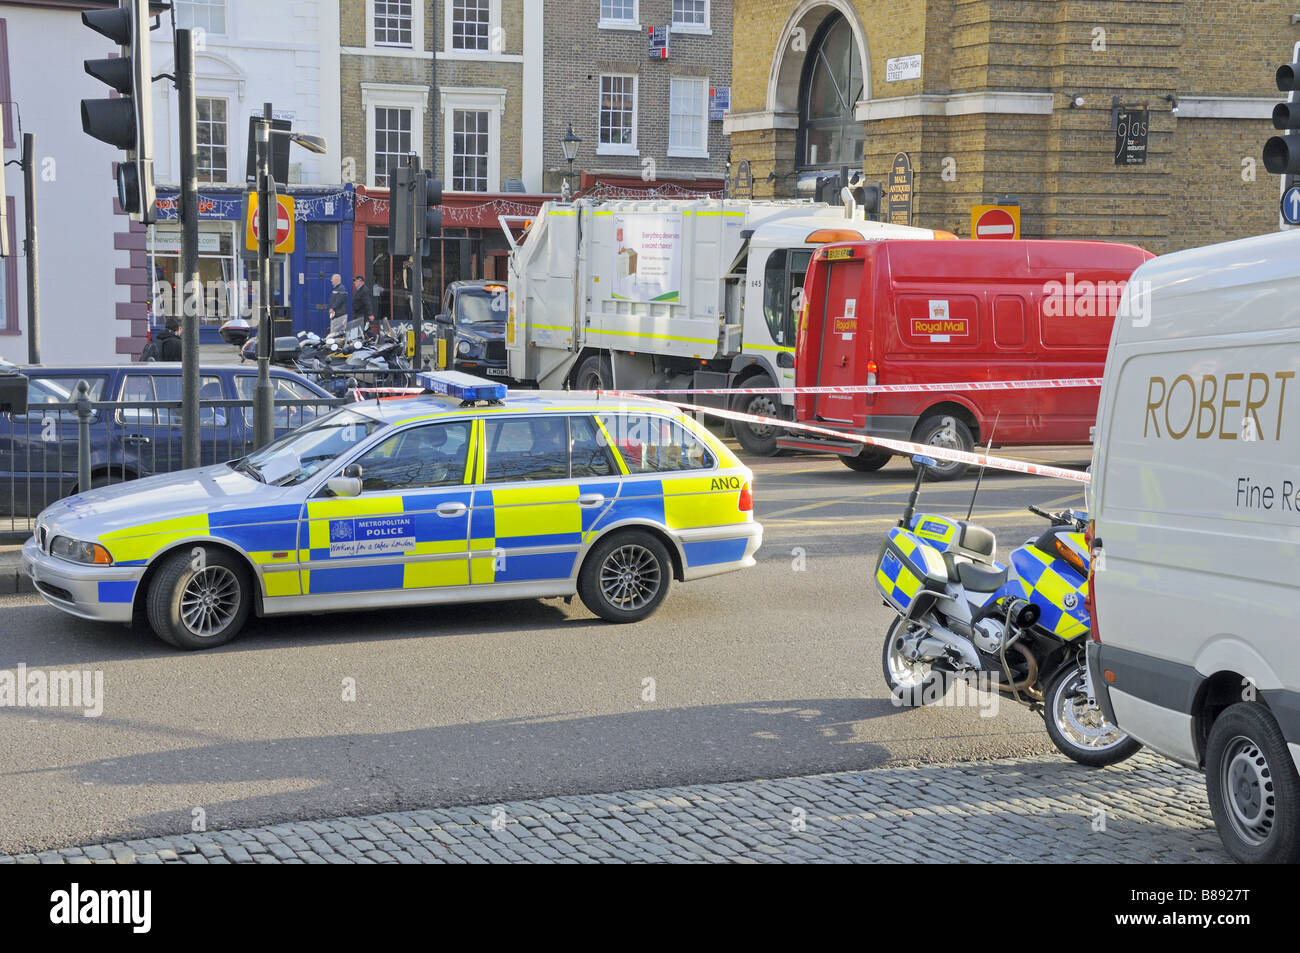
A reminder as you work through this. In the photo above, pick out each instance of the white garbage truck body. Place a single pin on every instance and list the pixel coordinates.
(671, 294)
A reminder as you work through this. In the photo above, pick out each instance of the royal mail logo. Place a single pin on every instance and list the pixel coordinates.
(951, 327)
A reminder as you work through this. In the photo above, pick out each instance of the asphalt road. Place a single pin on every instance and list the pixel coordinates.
(771, 672)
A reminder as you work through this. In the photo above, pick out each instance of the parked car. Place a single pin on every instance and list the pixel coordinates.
(472, 328)
(38, 449)
(1195, 502)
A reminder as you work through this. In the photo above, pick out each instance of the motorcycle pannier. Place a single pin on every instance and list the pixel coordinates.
(908, 570)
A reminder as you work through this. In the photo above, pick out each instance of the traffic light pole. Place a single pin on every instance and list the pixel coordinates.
(267, 213)
(417, 267)
(191, 287)
(33, 272)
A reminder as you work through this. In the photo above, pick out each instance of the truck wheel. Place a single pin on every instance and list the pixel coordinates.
(1253, 787)
(625, 576)
(945, 430)
(868, 461)
(593, 374)
(758, 439)
(199, 598)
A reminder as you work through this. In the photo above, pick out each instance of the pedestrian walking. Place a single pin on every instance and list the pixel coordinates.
(338, 305)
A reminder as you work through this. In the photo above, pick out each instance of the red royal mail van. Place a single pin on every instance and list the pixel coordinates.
(911, 312)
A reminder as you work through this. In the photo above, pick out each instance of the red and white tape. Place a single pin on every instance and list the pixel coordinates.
(885, 388)
(897, 446)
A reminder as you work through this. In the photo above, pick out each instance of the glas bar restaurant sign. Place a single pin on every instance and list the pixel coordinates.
(1131, 136)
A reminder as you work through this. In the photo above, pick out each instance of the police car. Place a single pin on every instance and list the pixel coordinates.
(465, 493)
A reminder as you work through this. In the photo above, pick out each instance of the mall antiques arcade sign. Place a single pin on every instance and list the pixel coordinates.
(898, 191)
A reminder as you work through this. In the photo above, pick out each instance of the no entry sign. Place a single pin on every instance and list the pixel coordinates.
(995, 221)
(283, 224)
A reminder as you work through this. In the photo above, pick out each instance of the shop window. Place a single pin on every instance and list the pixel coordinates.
(223, 293)
(829, 134)
(213, 139)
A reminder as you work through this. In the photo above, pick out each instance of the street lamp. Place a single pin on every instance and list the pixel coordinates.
(268, 214)
(569, 144)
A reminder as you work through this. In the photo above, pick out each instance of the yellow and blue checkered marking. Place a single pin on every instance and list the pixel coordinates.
(1052, 584)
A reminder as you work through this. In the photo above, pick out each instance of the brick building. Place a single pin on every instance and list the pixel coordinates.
(1015, 98)
(643, 122)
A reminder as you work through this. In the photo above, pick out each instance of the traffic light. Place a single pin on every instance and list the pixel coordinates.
(401, 215)
(428, 202)
(125, 122)
(1282, 153)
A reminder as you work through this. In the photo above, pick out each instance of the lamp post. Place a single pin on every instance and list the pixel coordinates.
(268, 215)
(569, 144)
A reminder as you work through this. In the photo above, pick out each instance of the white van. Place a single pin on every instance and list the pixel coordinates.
(1195, 502)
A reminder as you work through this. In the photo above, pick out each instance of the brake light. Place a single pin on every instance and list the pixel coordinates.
(1090, 597)
(871, 373)
(746, 504)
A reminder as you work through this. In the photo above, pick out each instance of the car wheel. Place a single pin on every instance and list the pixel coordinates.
(868, 461)
(625, 576)
(758, 439)
(947, 431)
(1253, 787)
(593, 374)
(199, 598)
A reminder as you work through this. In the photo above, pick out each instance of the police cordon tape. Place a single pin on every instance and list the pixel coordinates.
(884, 388)
(885, 443)
(897, 446)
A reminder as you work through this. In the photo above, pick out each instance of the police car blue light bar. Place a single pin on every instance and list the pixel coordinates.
(461, 386)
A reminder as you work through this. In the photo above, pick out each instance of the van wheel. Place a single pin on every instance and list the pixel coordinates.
(593, 374)
(1253, 787)
(947, 431)
(758, 439)
(625, 576)
(868, 461)
(199, 598)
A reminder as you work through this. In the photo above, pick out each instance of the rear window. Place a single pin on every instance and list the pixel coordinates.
(649, 443)
(59, 390)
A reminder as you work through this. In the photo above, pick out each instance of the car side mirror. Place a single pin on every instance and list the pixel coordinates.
(443, 318)
(352, 470)
(344, 486)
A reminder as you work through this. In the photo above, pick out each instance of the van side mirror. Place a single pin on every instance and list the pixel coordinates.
(784, 359)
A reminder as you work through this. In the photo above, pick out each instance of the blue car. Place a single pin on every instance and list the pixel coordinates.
(38, 449)
(472, 328)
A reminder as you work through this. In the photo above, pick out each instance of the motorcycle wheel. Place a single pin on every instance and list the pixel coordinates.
(1080, 731)
(911, 683)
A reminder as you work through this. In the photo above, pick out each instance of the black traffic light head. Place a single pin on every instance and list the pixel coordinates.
(125, 122)
(1288, 77)
(429, 201)
(401, 211)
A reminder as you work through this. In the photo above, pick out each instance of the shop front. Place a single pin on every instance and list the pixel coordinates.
(322, 248)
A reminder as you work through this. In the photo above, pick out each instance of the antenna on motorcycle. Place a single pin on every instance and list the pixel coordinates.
(921, 463)
(979, 477)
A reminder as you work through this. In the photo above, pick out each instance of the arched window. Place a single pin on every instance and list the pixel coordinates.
(829, 135)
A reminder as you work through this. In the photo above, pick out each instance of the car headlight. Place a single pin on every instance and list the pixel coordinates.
(77, 551)
(464, 347)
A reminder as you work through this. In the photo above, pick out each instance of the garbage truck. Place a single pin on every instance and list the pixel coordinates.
(647, 294)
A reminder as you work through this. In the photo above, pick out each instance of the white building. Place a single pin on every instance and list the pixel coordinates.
(97, 268)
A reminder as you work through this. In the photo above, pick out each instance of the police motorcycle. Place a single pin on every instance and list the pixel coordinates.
(1018, 629)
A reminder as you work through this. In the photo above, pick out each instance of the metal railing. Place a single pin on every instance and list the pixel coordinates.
(57, 449)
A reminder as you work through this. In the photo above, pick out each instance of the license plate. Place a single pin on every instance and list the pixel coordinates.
(498, 371)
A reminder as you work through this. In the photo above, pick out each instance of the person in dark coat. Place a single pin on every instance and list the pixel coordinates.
(338, 303)
(363, 308)
(170, 339)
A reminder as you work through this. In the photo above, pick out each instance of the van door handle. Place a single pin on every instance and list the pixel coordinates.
(137, 439)
(591, 499)
(452, 509)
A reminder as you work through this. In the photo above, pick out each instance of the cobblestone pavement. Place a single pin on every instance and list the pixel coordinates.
(1146, 810)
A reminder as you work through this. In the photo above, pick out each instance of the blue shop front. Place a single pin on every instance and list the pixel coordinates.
(323, 234)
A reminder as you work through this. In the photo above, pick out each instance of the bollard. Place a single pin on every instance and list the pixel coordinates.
(83, 436)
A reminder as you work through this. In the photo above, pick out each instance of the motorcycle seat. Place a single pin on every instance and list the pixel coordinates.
(980, 579)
